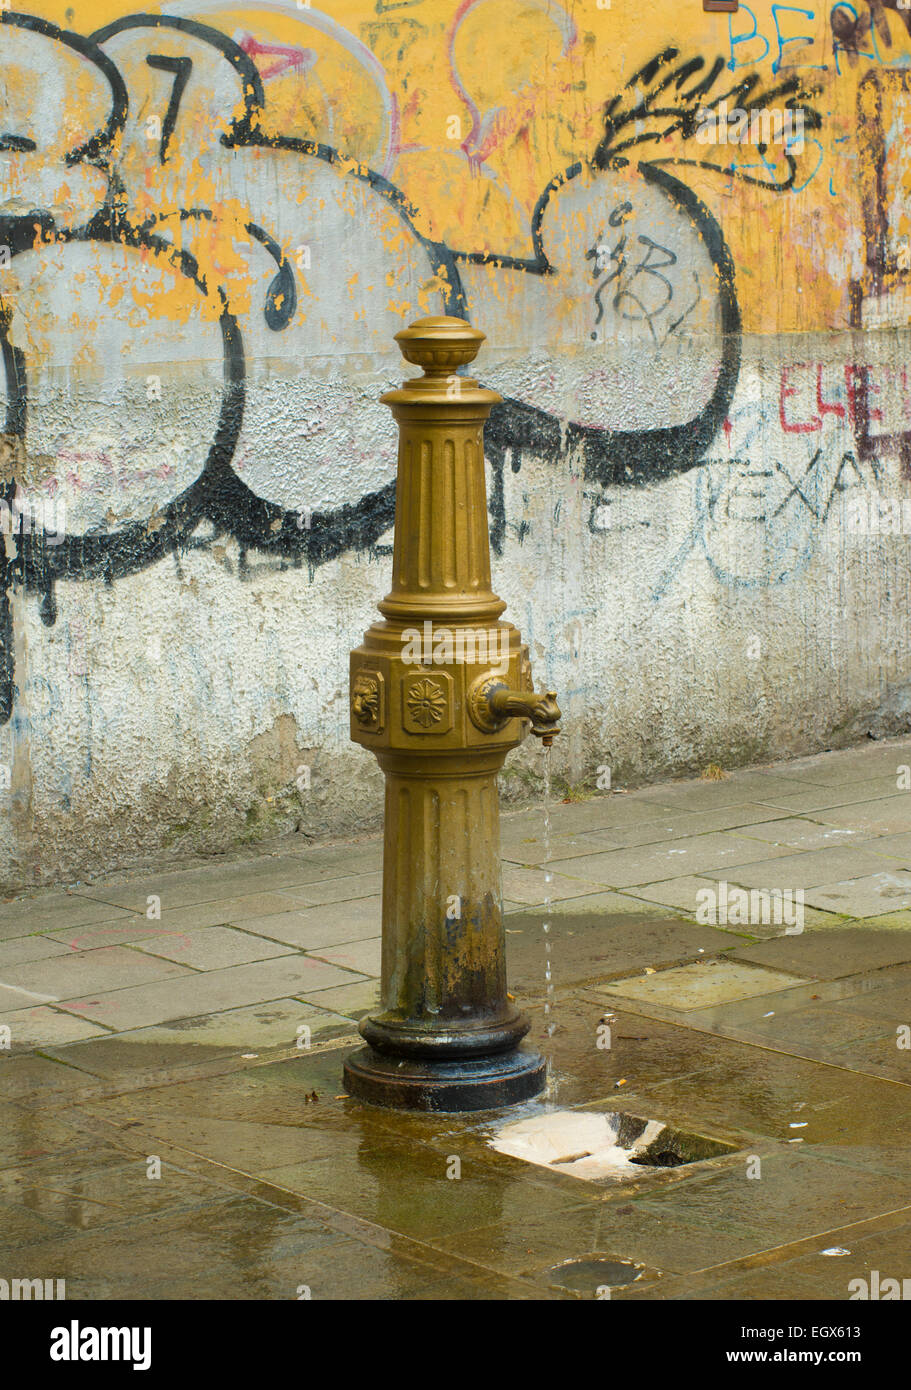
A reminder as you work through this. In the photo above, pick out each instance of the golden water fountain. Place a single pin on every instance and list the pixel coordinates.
(440, 692)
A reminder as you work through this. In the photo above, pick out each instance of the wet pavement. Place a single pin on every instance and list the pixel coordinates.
(172, 1123)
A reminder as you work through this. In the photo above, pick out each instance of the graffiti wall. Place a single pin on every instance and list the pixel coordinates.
(689, 244)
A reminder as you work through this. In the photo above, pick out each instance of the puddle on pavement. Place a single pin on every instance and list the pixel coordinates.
(689, 987)
(594, 1274)
(594, 1145)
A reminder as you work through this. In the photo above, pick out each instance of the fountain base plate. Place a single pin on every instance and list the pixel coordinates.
(476, 1083)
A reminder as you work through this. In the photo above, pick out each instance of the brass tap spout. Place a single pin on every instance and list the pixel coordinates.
(539, 707)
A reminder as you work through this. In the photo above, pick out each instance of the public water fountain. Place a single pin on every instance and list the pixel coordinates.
(440, 692)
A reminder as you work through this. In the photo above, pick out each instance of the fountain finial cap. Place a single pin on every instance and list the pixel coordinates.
(440, 345)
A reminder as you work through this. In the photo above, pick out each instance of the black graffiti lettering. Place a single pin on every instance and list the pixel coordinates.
(847, 465)
(392, 36)
(281, 297)
(18, 143)
(181, 68)
(596, 253)
(796, 489)
(653, 121)
(647, 267)
(672, 327)
(387, 6)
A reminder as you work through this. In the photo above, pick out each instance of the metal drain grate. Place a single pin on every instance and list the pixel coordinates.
(594, 1273)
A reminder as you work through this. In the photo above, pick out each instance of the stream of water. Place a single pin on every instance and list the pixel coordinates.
(550, 1089)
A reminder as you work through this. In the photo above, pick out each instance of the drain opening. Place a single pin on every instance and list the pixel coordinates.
(594, 1272)
(602, 1145)
(666, 1159)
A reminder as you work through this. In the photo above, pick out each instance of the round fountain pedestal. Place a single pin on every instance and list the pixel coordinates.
(479, 1083)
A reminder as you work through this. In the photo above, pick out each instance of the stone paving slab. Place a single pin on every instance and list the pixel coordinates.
(849, 765)
(871, 895)
(353, 1000)
(704, 795)
(782, 869)
(538, 885)
(330, 925)
(276, 1023)
(851, 991)
(701, 985)
(689, 895)
(891, 1001)
(677, 824)
(696, 854)
(681, 893)
(210, 948)
(127, 929)
(596, 813)
(804, 833)
(796, 1195)
(22, 949)
(801, 1266)
(897, 846)
(585, 948)
(19, 1226)
(833, 802)
(887, 815)
(335, 890)
(30, 1132)
(534, 851)
(185, 1253)
(194, 887)
(197, 993)
(890, 921)
(45, 1027)
(815, 1031)
(102, 1189)
(363, 956)
(41, 1079)
(831, 954)
(50, 912)
(103, 969)
(222, 911)
(886, 1056)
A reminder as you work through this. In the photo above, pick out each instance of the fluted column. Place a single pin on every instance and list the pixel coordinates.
(441, 555)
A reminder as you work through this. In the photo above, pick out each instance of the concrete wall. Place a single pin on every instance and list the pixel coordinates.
(211, 225)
